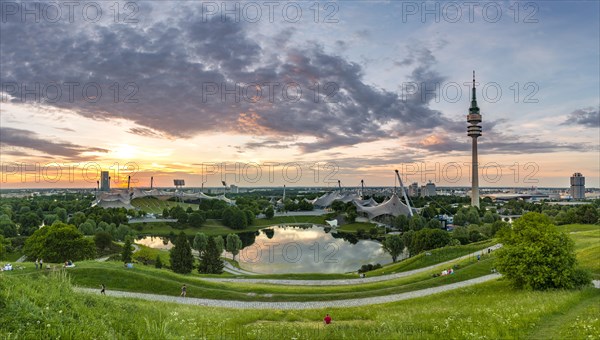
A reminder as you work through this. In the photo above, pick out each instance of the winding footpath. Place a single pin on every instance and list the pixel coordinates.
(342, 282)
(294, 305)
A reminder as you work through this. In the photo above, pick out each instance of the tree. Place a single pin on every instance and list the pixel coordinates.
(158, 262)
(102, 240)
(401, 222)
(122, 232)
(393, 245)
(182, 260)
(220, 244)
(196, 219)
(473, 216)
(2, 247)
(488, 217)
(127, 251)
(416, 223)
(59, 242)
(269, 212)
(434, 223)
(459, 218)
(234, 244)
(87, 228)
(239, 220)
(210, 261)
(536, 255)
(7, 226)
(200, 242)
(78, 218)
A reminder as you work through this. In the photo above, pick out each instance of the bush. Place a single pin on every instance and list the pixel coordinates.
(59, 242)
(536, 255)
(102, 240)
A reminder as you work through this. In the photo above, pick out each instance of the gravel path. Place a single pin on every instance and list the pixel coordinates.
(294, 305)
(341, 282)
(228, 267)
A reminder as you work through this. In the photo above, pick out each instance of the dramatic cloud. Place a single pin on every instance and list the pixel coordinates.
(588, 117)
(30, 140)
(180, 77)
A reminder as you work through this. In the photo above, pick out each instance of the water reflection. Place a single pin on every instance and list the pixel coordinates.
(155, 242)
(308, 249)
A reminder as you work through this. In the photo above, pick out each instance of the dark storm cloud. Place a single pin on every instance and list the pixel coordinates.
(588, 117)
(167, 70)
(30, 140)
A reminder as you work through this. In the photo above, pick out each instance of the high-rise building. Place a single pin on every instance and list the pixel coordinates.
(474, 131)
(413, 190)
(104, 181)
(428, 190)
(577, 186)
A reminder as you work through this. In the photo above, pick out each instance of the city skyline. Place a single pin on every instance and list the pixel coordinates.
(370, 89)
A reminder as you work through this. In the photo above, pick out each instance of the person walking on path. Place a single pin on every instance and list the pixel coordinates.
(183, 290)
(327, 319)
(102, 291)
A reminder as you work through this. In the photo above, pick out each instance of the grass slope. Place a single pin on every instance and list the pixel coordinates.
(47, 308)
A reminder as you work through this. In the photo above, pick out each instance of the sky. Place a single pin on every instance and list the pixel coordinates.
(298, 93)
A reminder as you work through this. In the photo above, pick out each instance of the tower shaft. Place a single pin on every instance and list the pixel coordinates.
(474, 175)
(474, 131)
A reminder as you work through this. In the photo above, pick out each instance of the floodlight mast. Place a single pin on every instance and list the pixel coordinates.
(340, 185)
(362, 188)
(404, 193)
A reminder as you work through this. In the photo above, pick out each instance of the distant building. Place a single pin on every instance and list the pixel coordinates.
(577, 186)
(428, 190)
(104, 181)
(234, 189)
(413, 190)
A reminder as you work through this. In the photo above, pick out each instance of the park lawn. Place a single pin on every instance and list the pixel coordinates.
(587, 246)
(437, 256)
(353, 227)
(147, 279)
(46, 307)
(570, 228)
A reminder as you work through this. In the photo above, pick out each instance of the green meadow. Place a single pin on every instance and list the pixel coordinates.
(43, 304)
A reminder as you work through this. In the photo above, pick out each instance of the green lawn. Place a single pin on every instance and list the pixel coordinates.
(46, 308)
(579, 227)
(147, 279)
(353, 227)
(587, 245)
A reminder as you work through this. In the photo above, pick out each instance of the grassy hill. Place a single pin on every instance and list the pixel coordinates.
(36, 305)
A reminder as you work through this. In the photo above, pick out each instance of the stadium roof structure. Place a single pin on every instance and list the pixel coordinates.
(392, 206)
(121, 198)
(113, 199)
(327, 199)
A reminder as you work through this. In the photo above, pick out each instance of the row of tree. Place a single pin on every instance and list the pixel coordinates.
(209, 249)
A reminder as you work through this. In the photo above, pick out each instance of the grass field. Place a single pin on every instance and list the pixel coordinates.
(46, 307)
(36, 305)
